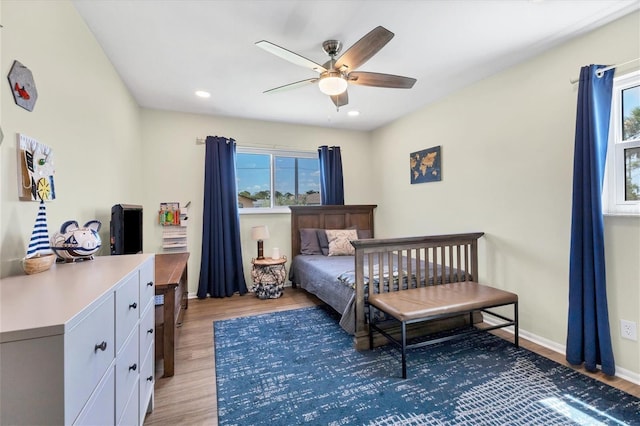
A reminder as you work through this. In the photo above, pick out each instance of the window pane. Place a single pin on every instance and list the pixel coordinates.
(309, 180)
(631, 113)
(253, 178)
(296, 181)
(284, 181)
(632, 174)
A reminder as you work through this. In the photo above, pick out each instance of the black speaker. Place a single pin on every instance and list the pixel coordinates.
(126, 229)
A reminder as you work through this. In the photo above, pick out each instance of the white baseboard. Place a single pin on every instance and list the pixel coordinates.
(622, 373)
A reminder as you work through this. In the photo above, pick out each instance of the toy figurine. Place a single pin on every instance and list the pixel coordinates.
(74, 243)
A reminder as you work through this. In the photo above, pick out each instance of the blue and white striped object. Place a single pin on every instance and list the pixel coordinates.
(39, 243)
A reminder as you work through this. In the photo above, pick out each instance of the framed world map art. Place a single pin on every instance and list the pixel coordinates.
(426, 165)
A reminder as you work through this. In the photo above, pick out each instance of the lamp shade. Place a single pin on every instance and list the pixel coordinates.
(260, 232)
(332, 83)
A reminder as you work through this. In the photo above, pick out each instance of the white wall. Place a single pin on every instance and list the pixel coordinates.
(507, 146)
(83, 112)
(507, 152)
(174, 171)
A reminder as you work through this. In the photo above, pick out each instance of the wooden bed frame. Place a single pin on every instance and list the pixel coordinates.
(456, 256)
(329, 217)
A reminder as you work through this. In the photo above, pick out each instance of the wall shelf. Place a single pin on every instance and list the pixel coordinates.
(174, 235)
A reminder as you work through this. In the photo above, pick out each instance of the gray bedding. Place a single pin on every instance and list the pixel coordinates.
(332, 279)
(318, 274)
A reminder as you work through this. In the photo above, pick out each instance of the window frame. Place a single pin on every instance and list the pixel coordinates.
(613, 190)
(273, 153)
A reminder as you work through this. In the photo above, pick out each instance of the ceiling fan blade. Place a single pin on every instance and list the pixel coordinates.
(290, 56)
(364, 49)
(292, 85)
(381, 80)
(340, 100)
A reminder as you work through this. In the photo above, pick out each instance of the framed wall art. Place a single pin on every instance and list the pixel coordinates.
(23, 86)
(426, 165)
(35, 170)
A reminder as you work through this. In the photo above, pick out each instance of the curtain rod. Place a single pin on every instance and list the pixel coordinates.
(600, 72)
(201, 141)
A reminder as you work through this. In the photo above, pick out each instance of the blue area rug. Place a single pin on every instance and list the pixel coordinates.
(299, 366)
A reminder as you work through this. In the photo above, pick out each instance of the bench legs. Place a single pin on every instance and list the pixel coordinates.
(515, 325)
(402, 343)
(404, 350)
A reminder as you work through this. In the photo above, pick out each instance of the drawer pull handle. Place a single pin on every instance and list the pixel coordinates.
(150, 379)
(150, 331)
(133, 305)
(133, 367)
(150, 284)
(102, 346)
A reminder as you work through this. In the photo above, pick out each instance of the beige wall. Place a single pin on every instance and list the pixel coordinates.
(174, 171)
(83, 112)
(507, 152)
(507, 146)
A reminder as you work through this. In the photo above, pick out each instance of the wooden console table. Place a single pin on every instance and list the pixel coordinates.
(171, 282)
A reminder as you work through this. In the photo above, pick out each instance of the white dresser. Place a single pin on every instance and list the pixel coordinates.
(76, 343)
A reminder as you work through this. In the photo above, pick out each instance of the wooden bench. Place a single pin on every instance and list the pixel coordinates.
(421, 304)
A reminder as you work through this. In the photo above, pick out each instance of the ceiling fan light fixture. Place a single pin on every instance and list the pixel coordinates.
(332, 83)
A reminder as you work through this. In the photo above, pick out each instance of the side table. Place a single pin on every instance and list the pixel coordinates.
(268, 277)
(172, 284)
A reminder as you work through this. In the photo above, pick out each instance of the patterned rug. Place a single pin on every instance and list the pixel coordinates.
(299, 366)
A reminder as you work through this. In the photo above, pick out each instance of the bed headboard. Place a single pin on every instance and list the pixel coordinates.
(329, 217)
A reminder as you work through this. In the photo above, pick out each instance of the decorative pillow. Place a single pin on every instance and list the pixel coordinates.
(340, 241)
(323, 241)
(309, 243)
(363, 234)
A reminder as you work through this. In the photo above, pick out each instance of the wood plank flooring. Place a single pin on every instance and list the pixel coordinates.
(189, 397)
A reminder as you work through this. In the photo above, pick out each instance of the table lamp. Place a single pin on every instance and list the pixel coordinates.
(260, 233)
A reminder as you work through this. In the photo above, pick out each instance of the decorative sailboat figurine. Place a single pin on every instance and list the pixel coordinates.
(39, 256)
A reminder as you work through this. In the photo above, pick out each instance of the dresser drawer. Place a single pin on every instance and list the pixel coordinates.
(127, 372)
(130, 414)
(147, 281)
(147, 331)
(147, 381)
(89, 351)
(99, 409)
(127, 309)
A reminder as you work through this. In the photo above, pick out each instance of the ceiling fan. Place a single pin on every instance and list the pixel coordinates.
(336, 74)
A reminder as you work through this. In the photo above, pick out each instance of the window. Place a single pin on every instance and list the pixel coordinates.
(274, 179)
(621, 194)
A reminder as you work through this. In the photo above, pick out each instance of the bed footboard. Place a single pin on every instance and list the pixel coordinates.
(381, 265)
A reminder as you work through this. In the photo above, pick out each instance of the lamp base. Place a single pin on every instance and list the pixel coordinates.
(260, 250)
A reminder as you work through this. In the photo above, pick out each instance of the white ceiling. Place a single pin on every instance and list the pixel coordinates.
(165, 50)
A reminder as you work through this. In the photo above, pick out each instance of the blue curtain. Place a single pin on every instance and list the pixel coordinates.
(331, 181)
(221, 271)
(588, 334)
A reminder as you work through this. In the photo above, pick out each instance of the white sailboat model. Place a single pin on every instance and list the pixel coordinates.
(39, 256)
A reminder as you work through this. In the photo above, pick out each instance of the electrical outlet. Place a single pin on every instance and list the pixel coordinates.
(628, 330)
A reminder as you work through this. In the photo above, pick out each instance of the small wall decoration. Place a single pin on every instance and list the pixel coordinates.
(169, 214)
(425, 165)
(35, 170)
(22, 86)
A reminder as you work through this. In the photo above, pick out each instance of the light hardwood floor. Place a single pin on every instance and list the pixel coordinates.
(189, 397)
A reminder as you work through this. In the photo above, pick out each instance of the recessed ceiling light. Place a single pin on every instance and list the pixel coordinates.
(353, 113)
(203, 94)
